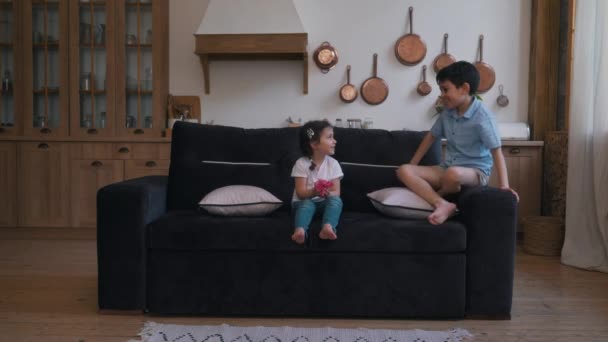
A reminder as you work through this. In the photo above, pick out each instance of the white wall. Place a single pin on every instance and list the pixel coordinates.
(265, 93)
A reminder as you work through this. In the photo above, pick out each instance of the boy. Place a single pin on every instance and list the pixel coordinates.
(472, 142)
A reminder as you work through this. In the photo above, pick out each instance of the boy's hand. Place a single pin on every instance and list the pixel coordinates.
(512, 191)
(322, 187)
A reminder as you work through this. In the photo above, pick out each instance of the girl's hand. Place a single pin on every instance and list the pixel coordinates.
(322, 187)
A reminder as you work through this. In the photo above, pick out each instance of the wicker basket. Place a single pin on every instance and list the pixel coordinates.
(543, 235)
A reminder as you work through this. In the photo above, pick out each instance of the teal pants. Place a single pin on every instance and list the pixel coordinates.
(305, 211)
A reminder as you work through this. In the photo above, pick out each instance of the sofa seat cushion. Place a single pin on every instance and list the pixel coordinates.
(192, 230)
(374, 232)
(357, 232)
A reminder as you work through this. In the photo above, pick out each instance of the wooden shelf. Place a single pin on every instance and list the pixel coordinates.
(92, 92)
(93, 46)
(94, 3)
(46, 91)
(142, 4)
(135, 46)
(289, 46)
(46, 45)
(139, 92)
(45, 2)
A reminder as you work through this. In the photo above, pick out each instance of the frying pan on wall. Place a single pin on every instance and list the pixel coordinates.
(444, 59)
(348, 92)
(424, 88)
(410, 49)
(374, 90)
(487, 76)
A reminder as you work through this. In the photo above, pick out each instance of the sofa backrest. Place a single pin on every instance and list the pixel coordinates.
(370, 157)
(204, 158)
(259, 157)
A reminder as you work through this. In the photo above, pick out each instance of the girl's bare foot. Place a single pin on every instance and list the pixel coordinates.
(327, 233)
(442, 212)
(299, 236)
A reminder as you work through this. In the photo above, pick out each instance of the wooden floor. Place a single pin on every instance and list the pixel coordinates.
(48, 292)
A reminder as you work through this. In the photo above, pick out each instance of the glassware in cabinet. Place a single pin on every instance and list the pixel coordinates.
(144, 59)
(10, 71)
(46, 67)
(92, 68)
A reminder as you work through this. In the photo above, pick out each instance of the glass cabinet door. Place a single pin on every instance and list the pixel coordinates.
(143, 56)
(10, 73)
(46, 67)
(92, 64)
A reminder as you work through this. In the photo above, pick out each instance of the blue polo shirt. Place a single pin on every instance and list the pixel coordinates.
(470, 137)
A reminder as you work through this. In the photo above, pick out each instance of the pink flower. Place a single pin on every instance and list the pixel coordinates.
(322, 187)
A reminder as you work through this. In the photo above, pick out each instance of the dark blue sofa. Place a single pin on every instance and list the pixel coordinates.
(158, 253)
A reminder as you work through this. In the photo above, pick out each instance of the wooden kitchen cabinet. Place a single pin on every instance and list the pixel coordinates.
(524, 167)
(143, 167)
(43, 184)
(95, 165)
(88, 176)
(8, 184)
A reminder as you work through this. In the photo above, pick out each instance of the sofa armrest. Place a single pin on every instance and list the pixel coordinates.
(123, 211)
(490, 215)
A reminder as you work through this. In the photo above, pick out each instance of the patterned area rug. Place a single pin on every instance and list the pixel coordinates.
(154, 332)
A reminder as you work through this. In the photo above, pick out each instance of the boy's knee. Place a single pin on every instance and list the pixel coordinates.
(451, 176)
(405, 171)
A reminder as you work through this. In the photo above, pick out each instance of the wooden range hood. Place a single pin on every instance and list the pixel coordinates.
(251, 30)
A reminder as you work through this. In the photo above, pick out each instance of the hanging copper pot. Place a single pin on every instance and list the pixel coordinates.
(486, 72)
(424, 88)
(348, 92)
(374, 90)
(410, 49)
(325, 57)
(444, 59)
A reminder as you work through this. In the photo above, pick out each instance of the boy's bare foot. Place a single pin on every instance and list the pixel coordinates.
(442, 212)
(327, 233)
(299, 236)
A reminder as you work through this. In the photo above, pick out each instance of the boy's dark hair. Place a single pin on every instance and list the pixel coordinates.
(311, 132)
(458, 73)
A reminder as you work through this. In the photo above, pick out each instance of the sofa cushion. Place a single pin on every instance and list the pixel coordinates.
(373, 232)
(240, 200)
(191, 230)
(357, 232)
(400, 202)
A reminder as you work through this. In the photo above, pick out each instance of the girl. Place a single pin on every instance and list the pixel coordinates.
(317, 178)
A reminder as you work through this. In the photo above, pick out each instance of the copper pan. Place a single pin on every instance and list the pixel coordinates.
(374, 90)
(410, 49)
(487, 76)
(424, 88)
(444, 59)
(348, 92)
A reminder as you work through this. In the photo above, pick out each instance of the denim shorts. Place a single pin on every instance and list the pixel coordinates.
(481, 176)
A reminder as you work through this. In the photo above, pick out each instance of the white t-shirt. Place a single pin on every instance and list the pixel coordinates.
(330, 169)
